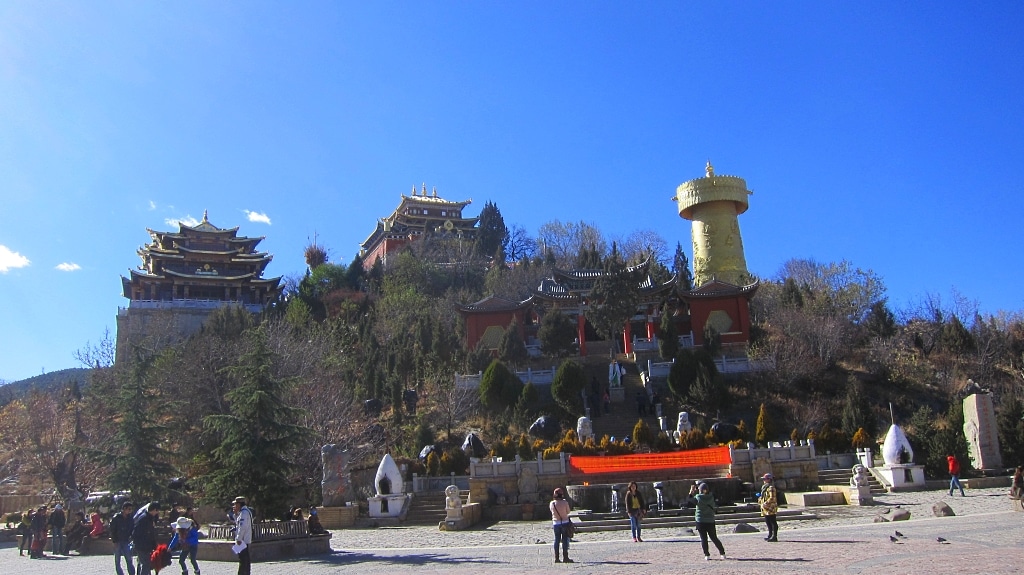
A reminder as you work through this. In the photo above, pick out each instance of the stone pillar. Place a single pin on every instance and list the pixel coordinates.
(980, 430)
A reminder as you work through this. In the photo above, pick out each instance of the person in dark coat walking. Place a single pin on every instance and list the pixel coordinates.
(144, 536)
(121, 536)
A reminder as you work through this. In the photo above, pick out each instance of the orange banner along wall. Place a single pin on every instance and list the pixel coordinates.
(588, 464)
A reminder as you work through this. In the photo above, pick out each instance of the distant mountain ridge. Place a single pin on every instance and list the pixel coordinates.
(47, 382)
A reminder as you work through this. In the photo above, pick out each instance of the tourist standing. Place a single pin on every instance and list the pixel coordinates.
(243, 534)
(144, 536)
(1017, 485)
(954, 475)
(769, 502)
(186, 539)
(25, 529)
(704, 516)
(121, 536)
(560, 523)
(635, 508)
(36, 551)
(56, 523)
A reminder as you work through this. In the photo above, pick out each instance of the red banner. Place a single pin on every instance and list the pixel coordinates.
(650, 461)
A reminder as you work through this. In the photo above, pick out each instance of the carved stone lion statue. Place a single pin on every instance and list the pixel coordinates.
(860, 476)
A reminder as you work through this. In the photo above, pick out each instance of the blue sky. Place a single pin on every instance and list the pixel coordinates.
(887, 134)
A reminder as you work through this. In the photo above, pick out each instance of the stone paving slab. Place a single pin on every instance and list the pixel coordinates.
(985, 537)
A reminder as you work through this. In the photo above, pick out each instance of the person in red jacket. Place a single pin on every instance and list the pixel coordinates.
(954, 474)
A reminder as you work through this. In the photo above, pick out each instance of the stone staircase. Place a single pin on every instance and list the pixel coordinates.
(623, 416)
(428, 508)
(843, 476)
(726, 515)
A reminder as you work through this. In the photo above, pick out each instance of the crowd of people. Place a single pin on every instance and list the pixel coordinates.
(704, 515)
(136, 534)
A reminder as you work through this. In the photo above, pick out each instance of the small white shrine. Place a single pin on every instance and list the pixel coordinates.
(388, 483)
(899, 470)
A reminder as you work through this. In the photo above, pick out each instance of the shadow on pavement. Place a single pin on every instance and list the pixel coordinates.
(350, 557)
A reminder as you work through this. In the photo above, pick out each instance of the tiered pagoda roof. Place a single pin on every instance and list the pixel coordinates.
(416, 215)
(201, 262)
(573, 286)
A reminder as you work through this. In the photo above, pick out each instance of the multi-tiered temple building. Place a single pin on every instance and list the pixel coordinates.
(416, 216)
(186, 275)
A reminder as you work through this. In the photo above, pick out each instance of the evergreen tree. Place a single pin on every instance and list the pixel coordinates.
(499, 387)
(881, 323)
(642, 433)
(692, 367)
(857, 410)
(615, 296)
(792, 297)
(956, 338)
(681, 267)
(492, 234)
(256, 435)
(355, 273)
(557, 334)
(134, 454)
(763, 432)
(511, 348)
(569, 381)
(1010, 426)
(668, 336)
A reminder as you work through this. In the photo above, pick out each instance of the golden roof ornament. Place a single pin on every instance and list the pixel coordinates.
(709, 170)
(424, 191)
(204, 217)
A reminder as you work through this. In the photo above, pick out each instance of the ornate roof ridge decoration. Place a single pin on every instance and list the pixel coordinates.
(495, 303)
(719, 288)
(210, 274)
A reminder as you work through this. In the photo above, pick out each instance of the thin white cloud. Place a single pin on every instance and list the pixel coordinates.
(152, 205)
(69, 267)
(10, 260)
(187, 220)
(257, 217)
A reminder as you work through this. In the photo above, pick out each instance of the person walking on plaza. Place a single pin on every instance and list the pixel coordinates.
(144, 536)
(704, 516)
(243, 534)
(769, 502)
(121, 536)
(561, 524)
(636, 509)
(1017, 484)
(186, 540)
(56, 523)
(954, 475)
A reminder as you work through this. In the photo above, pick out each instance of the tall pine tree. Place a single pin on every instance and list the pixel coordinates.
(256, 436)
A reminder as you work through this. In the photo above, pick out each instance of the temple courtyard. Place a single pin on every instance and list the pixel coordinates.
(985, 536)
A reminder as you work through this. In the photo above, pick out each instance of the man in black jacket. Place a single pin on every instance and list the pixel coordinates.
(144, 536)
(121, 535)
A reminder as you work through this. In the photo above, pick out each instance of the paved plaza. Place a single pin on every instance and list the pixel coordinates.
(984, 537)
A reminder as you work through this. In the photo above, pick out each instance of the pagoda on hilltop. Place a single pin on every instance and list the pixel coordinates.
(186, 275)
(416, 216)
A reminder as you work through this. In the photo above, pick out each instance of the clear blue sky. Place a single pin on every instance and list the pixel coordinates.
(888, 134)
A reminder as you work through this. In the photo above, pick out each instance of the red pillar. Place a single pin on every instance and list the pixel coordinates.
(581, 332)
(651, 330)
(627, 338)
